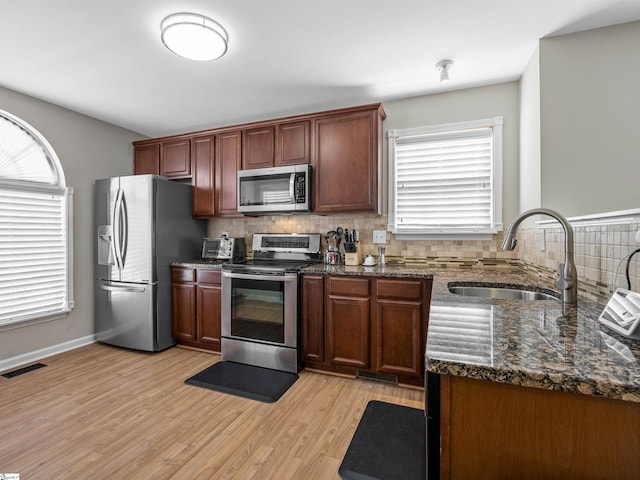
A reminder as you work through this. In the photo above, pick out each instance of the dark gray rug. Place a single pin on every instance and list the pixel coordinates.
(247, 381)
(389, 444)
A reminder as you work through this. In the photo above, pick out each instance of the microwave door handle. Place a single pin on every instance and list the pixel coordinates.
(292, 184)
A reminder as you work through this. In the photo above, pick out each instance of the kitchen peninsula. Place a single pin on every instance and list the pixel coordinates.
(528, 389)
(522, 389)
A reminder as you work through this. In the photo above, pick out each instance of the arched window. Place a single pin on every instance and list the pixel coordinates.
(35, 226)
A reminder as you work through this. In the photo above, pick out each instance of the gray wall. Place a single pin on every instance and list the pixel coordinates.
(530, 189)
(88, 149)
(590, 110)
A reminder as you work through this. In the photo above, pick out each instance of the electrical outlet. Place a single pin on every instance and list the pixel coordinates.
(379, 236)
(638, 236)
(541, 241)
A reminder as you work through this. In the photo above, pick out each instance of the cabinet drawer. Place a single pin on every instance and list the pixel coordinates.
(182, 274)
(400, 289)
(349, 286)
(206, 275)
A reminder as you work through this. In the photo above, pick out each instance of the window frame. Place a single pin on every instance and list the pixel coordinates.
(65, 193)
(495, 123)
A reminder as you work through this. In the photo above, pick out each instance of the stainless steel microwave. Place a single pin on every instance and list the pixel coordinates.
(275, 190)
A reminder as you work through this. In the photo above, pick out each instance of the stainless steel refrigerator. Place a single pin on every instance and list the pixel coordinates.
(143, 223)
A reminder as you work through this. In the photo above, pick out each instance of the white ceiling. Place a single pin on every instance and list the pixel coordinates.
(105, 58)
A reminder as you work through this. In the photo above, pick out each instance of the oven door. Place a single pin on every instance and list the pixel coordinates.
(260, 307)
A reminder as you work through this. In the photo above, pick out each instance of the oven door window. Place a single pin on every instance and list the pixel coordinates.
(257, 309)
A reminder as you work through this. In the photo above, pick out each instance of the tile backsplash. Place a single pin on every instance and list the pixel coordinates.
(598, 249)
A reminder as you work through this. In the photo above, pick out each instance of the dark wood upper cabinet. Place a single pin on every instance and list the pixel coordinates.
(345, 161)
(276, 144)
(258, 147)
(343, 146)
(146, 159)
(175, 159)
(293, 143)
(203, 161)
(228, 162)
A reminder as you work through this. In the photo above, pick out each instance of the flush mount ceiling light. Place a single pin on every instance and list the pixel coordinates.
(443, 67)
(194, 36)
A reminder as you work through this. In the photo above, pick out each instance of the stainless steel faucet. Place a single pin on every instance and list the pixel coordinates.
(568, 276)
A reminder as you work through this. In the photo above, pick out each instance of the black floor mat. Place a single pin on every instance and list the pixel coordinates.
(389, 444)
(247, 381)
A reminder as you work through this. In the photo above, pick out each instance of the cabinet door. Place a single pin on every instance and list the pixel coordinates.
(399, 326)
(228, 150)
(348, 331)
(209, 316)
(202, 156)
(146, 159)
(175, 159)
(293, 143)
(257, 147)
(398, 337)
(345, 161)
(312, 324)
(183, 312)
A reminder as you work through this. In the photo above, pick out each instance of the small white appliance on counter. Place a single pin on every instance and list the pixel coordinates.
(143, 223)
(622, 313)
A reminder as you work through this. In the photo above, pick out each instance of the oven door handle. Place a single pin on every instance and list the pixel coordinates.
(288, 277)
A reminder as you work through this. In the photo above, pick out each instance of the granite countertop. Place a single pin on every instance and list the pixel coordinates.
(537, 343)
(394, 271)
(201, 263)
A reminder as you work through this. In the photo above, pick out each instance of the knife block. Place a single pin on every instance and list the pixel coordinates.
(353, 258)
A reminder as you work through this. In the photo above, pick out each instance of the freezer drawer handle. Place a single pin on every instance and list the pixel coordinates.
(123, 289)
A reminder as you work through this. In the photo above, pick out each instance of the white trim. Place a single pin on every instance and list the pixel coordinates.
(445, 127)
(28, 321)
(444, 236)
(607, 218)
(25, 358)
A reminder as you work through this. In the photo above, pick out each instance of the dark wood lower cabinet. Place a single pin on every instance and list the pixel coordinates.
(355, 324)
(196, 307)
(398, 327)
(492, 430)
(348, 331)
(312, 295)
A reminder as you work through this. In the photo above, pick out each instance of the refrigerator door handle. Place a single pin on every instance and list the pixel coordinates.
(117, 243)
(126, 289)
(125, 229)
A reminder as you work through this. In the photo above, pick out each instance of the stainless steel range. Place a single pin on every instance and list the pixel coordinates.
(260, 324)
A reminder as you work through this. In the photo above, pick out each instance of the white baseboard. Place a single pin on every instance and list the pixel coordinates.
(25, 358)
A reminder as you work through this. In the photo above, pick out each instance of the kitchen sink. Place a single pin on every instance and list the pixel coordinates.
(501, 291)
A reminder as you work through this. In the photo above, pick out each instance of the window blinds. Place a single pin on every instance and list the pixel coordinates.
(444, 182)
(33, 254)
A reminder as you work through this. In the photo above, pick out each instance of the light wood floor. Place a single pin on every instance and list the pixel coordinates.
(101, 412)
